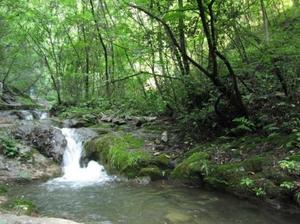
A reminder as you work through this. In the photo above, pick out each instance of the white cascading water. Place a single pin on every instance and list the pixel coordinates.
(27, 115)
(72, 171)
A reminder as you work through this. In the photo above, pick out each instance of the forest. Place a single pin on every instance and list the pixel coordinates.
(204, 93)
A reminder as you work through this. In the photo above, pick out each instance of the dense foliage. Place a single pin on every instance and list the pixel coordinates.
(196, 58)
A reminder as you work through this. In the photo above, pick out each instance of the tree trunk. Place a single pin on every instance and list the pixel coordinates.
(107, 84)
(265, 21)
(182, 40)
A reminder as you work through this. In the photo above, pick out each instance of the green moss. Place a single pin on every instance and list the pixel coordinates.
(3, 189)
(162, 160)
(25, 100)
(194, 167)
(123, 153)
(153, 172)
(22, 206)
(229, 175)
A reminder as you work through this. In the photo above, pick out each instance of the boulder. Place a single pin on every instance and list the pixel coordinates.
(47, 140)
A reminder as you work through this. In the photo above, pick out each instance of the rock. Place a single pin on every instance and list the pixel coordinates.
(121, 152)
(153, 172)
(87, 133)
(164, 137)
(159, 147)
(31, 165)
(175, 217)
(150, 119)
(162, 160)
(24, 115)
(157, 141)
(7, 117)
(106, 118)
(118, 121)
(48, 140)
(142, 180)
(3, 200)
(7, 98)
(73, 123)
(14, 219)
(139, 123)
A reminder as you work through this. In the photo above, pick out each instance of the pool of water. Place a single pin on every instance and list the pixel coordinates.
(132, 203)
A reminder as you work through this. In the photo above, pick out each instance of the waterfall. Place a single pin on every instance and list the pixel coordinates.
(73, 173)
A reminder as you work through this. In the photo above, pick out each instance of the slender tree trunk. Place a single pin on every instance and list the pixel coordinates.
(87, 64)
(107, 84)
(182, 40)
(265, 21)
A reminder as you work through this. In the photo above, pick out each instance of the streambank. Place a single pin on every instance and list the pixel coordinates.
(13, 219)
(257, 167)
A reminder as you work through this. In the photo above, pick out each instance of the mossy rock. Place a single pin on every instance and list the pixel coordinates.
(175, 217)
(123, 153)
(153, 172)
(229, 174)
(162, 160)
(194, 168)
(216, 182)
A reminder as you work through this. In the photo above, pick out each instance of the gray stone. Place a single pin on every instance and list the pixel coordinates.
(164, 137)
(48, 140)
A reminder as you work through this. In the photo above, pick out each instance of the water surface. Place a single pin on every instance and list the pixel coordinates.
(127, 202)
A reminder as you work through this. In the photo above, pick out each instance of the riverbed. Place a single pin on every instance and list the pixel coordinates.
(155, 203)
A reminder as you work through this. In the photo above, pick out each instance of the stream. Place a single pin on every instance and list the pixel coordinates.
(90, 195)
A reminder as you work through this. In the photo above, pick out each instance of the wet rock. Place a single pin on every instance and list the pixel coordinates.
(73, 123)
(175, 217)
(153, 172)
(14, 219)
(48, 140)
(8, 98)
(139, 123)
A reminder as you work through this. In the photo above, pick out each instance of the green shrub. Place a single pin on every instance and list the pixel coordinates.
(23, 206)
(8, 147)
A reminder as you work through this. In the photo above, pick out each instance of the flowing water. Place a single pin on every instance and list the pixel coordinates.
(74, 174)
(90, 195)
